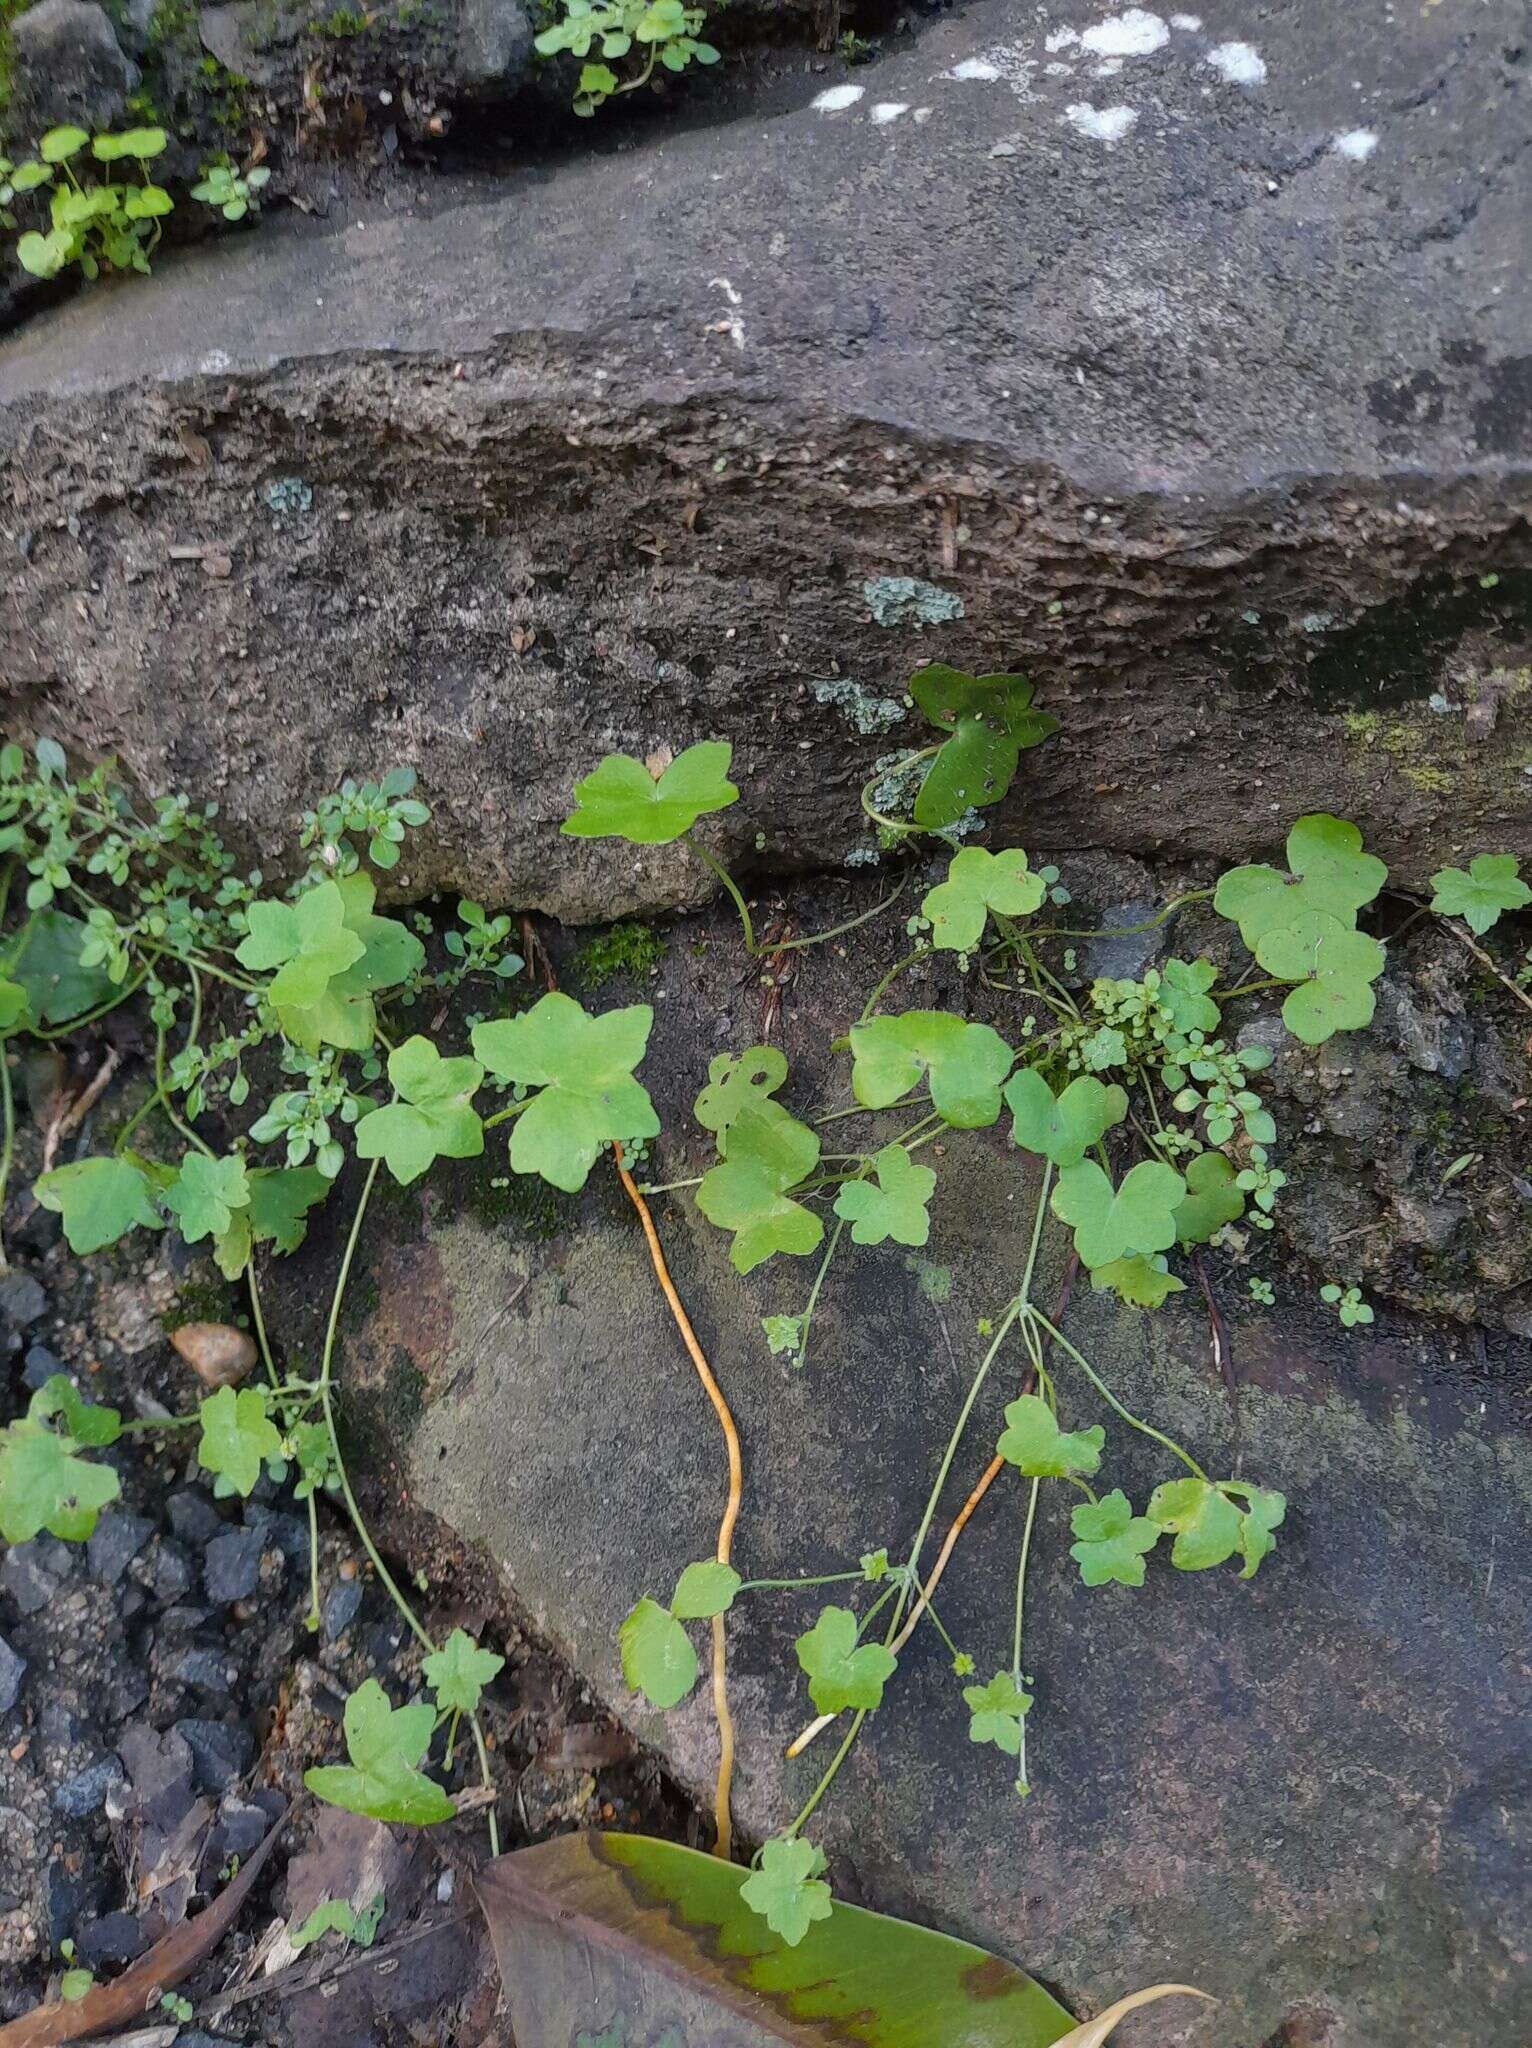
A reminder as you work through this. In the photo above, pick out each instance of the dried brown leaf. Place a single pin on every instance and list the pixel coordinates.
(1092, 2033)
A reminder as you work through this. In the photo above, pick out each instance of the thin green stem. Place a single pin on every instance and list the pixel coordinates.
(888, 980)
(1127, 931)
(668, 1187)
(836, 1116)
(710, 860)
(161, 1097)
(260, 1326)
(837, 931)
(928, 1606)
(503, 1116)
(8, 1142)
(1250, 988)
(1134, 1421)
(313, 1616)
(819, 1281)
(130, 987)
(819, 1791)
(904, 827)
(788, 1585)
(1021, 1579)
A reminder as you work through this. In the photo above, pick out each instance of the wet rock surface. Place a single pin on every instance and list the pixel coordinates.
(1300, 1792)
(1216, 423)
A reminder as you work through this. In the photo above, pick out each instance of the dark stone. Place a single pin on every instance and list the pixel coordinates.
(26, 1576)
(67, 65)
(128, 1690)
(72, 1896)
(114, 1543)
(193, 1517)
(242, 1826)
(84, 1793)
(166, 1571)
(278, 1531)
(340, 1608)
(12, 1670)
(114, 1938)
(22, 1300)
(491, 44)
(40, 1366)
(231, 1565)
(206, 1669)
(222, 1751)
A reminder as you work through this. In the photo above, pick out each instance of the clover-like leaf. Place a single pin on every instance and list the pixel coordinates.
(735, 1080)
(100, 1200)
(620, 799)
(61, 143)
(991, 720)
(280, 1199)
(768, 1152)
(435, 1119)
(583, 1066)
(1139, 1281)
(1062, 1128)
(786, 1887)
(1341, 964)
(238, 1436)
(966, 1064)
(1205, 1522)
(1480, 894)
(658, 1659)
(205, 1193)
(1183, 991)
(1213, 1199)
(43, 1485)
(896, 1207)
(1330, 875)
(1033, 1442)
(390, 953)
(1112, 1541)
(995, 1712)
(705, 1589)
(977, 883)
(458, 1672)
(841, 1672)
(308, 942)
(1108, 1224)
(384, 1744)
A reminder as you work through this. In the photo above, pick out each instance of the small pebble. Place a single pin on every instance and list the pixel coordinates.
(114, 1938)
(340, 1608)
(40, 1366)
(22, 1300)
(12, 1669)
(114, 1543)
(84, 1793)
(231, 1565)
(193, 1516)
(25, 1576)
(222, 1751)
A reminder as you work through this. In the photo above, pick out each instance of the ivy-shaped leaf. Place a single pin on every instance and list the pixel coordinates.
(1183, 992)
(1213, 1198)
(45, 961)
(1138, 1281)
(458, 1672)
(280, 1199)
(1062, 1128)
(841, 1672)
(620, 799)
(737, 1080)
(991, 720)
(966, 1064)
(43, 1484)
(705, 1589)
(658, 1659)
(1341, 963)
(1139, 1216)
(1209, 1527)
(344, 1014)
(1330, 875)
(786, 1887)
(384, 1744)
(100, 1200)
(996, 1711)
(238, 1436)
(1033, 1442)
(1480, 894)
(583, 1066)
(977, 883)
(896, 1207)
(205, 1193)
(768, 1152)
(307, 942)
(1112, 1541)
(91, 1423)
(435, 1118)
(1263, 1513)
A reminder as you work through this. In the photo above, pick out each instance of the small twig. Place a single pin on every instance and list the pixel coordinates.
(1223, 1356)
(1485, 960)
(294, 1978)
(70, 1119)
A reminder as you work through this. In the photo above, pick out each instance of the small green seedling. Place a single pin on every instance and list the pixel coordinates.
(1347, 1303)
(641, 34)
(234, 193)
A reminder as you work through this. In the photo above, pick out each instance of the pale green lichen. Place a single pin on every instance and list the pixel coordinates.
(906, 600)
(857, 704)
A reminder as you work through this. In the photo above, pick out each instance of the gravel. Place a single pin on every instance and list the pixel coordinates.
(26, 1577)
(12, 1669)
(194, 1518)
(222, 1751)
(340, 1608)
(231, 1565)
(39, 1367)
(22, 1300)
(86, 1791)
(114, 1543)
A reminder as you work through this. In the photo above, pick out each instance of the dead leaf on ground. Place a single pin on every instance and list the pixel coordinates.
(659, 761)
(1092, 2033)
(589, 1747)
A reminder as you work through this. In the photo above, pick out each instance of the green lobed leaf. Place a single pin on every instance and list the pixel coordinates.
(1108, 1224)
(996, 1711)
(965, 1063)
(100, 1200)
(977, 883)
(841, 1672)
(1139, 1281)
(705, 1589)
(620, 799)
(583, 1066)
(280, 1199)
(458, 1672)
(1264, 1513)
(1212, 1199)
(1033, 1442)
(435, 1118)
(658, 1659)
(786, 1887)
(91, 1423)
(45, 960)
(991, 720)
(895, 1207)
(307, 942)
(384, 1744)
(1480, 894)
(1111, 1541)
(1208, 1525)
(1341, 964)
(737, 1080)
(1062, 1128)
(43, 1485)
(768, 1152)
(1331, 875)
(238, 1436)
(205, 1193)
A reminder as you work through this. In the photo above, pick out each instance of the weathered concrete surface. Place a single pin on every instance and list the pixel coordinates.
(1215, 427)
(1307, 1793)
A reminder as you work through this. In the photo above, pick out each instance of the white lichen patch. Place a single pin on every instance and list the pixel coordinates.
(1102, 124)
(1134, 34)
(838, 98)
(1189, 22)
(1239, 63)
(1356, 143)
(888, 110)
(978, 68)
